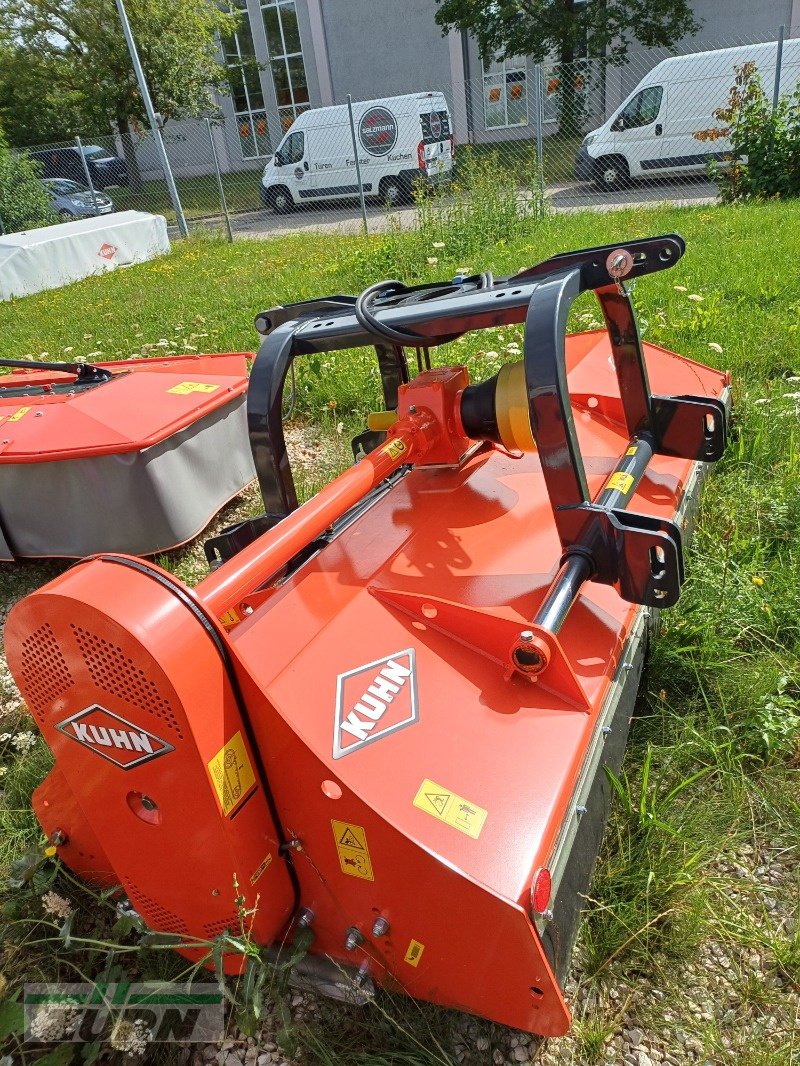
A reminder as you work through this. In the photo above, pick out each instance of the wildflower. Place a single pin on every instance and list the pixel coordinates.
(43, 355)
(695, 298)
(490, 355)
(3, 771)
(92, 355)
(332, 404)
(757, 580)
(87, 336)
(340, 428)
(680, 288)
(4, 737)
(69, 349)
(131, 1038)
(53, 1021)
(432, 260)
(464, 270)
(662, 695)
(715, 347)
(56, 905)
(24, 741)
(438, 244)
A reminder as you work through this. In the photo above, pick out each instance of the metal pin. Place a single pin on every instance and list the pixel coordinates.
(305, 918)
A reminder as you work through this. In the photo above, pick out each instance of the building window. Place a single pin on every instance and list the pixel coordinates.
(286, 59)
(245, 82)
(505, 94)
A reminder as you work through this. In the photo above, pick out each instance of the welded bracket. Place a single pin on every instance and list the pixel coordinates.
(496, 634)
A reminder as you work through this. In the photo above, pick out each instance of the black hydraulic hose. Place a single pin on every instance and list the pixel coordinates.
(83, 371)
(370, 323)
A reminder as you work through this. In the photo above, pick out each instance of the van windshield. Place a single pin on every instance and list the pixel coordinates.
(292, 149)
(642, 109)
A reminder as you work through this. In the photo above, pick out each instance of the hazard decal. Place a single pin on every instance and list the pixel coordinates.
(113, 738)
(232, 774)
(451, 808)
(185, 388)
(373, 701)
(351, 844)
(414, 953)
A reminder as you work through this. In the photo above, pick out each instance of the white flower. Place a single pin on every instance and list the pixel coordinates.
(24, 741)
(432, 260)
(69, 349)
(4, 737)
(438, 244)
(131, 1037)
(694, 297)
(715, 347)
(53, 1021)
(679, 288)
(340, 428)
(56, 905)
(490, 355)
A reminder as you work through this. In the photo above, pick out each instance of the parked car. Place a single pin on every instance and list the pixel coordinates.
(71, 200)
(402, 140)
(105, 169)
(652, 133)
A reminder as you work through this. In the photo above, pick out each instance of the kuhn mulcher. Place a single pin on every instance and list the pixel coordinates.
(385, 714)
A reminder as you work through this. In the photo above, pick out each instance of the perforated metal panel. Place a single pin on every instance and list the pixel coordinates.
(45, 674)
(115, 672)
(212, 929)
(159, 918)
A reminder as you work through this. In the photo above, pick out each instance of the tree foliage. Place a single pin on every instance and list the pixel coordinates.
(23, 202)
(538, 27)
(72, 56)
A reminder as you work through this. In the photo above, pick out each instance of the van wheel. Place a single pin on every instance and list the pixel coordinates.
(393, 192)
(612, 173)
(280, 200)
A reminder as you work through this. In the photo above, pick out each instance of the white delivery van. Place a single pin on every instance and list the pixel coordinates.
(652, 133)
(401, 140)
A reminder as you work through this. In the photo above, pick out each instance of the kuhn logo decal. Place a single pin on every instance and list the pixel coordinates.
(373, 701)
(107, 251)
(114, 738)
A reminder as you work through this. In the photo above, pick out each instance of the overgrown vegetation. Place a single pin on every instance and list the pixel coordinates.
(764, 161)
(23, 202)
(708, 793)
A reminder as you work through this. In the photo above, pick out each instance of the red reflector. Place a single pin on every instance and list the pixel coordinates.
(540, 890)
(421, 155)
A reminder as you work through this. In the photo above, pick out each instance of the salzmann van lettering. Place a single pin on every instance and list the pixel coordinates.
(404, 139)
(652, 133)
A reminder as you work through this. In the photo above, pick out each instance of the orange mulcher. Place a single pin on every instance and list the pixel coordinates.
(385, 715)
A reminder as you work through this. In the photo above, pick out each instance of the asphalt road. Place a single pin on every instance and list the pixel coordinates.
(575, 196)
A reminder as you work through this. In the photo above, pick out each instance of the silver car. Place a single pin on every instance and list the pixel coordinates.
(71, 200)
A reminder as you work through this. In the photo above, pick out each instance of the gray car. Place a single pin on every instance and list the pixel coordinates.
(71, 200)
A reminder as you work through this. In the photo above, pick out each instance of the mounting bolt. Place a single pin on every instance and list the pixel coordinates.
(606, 730)
(526, 636)
(380, 927)
(547, 916)
(353, 939)
(412, 410)
(362, 976)
(305, 918)
(581, 810)
(58, 837)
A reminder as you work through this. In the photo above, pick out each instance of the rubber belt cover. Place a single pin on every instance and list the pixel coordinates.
(512, 410)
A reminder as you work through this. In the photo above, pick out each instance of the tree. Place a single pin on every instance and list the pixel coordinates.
(78, 46)
(568, 28)
(23, 202)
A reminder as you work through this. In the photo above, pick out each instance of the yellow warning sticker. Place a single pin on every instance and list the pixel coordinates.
(259, 870)
(351, 844)
(620, 482)
(230, 618)
(18, 414)
(632, 450)
(394, 448)
(232, 774)
(448, 807)
(183, 388)
(414, 953)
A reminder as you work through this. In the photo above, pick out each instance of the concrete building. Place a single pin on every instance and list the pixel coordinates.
(289, 55)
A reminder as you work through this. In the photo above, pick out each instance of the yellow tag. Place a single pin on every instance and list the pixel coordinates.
(260, 869)
(394, 448)
(185, 387)
(414, 953)
(351, 843)
(232, 774)
(19, 413)
(230, 618)
(620, 482)
(448, 807)
(632, 450)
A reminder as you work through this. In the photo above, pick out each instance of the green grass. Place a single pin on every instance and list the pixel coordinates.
(711, 768)
(199, 195)
(518, 157)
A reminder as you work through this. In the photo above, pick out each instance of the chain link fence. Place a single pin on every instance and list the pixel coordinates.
(553, 137)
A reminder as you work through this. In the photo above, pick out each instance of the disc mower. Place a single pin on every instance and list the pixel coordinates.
(384, 716)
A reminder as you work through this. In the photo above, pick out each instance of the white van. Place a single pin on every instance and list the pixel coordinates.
(652, 132)
(401, 140)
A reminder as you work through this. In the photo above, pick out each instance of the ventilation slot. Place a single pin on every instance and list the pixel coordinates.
(115, 672)
(45, 675)
(212, 929)
(159, 919)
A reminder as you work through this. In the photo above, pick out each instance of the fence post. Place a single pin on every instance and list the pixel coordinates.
(88, 174)
(220, 187)
(539, 111)
(358, 165)
(151, 116)
(778, 61)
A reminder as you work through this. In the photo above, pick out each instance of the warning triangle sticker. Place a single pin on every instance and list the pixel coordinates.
(438, 800)
(350, 840)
